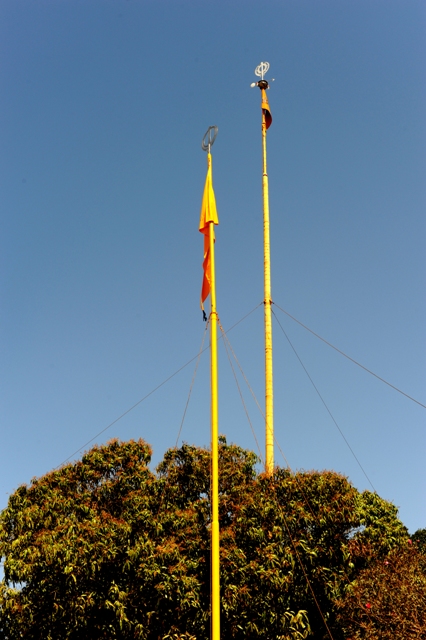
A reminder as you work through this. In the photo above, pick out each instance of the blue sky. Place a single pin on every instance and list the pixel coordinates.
(104, 105)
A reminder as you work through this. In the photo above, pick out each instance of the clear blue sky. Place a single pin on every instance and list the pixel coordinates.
(104, 105)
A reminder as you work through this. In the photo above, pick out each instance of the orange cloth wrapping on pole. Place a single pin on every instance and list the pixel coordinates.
(266, 109)
(208, 215)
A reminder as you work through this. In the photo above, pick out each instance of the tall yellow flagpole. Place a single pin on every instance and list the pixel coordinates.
(207, 222)
(215, 452)
(267, 301)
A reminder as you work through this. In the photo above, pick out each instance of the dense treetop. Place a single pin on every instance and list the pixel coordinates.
(106, 548)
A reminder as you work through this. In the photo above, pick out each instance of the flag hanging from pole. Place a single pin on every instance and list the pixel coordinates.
(208, 215)
(266, 109)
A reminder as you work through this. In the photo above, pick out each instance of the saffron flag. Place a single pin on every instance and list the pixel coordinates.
(208, 215)
(266, 110)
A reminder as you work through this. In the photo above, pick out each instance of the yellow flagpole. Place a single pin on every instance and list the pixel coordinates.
(207, 222)
(267, 301)
(215, 561)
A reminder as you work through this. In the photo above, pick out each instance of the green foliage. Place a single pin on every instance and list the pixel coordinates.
(388, 598)
(419, 539)
(105, 548)
(63, 539)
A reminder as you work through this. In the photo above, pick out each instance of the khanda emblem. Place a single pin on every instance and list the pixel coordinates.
(262, 69)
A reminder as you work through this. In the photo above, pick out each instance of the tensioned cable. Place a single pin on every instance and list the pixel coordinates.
(226, 344)
(150, 392)
(228, 348)
(245, 379)
(167, 483)
(262, 413)
(192, 383)
(316, 518)
(226, 341)
(324, 403)
(263, 416)
(304, 572)
(349, 357)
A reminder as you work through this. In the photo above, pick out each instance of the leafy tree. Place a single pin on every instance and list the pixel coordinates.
(64, 538)
(105, 548)
(419, 539)
(388, 598)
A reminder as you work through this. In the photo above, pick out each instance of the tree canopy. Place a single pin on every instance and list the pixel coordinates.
(388, 598)
(106, 548)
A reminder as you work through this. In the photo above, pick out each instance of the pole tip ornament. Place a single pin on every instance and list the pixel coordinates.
(260, 71)
(209, 138)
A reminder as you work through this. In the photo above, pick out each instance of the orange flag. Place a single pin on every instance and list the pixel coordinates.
(266, 109)
(208, 215)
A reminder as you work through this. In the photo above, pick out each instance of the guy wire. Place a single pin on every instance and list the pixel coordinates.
(349, 357)
(324, 403)
(150, 393)
(228, 344)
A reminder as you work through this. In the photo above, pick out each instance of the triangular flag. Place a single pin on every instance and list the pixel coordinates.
(208, 215)
(266, 110)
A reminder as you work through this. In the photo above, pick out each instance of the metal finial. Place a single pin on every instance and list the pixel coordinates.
(209, 138)
(260, 71)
